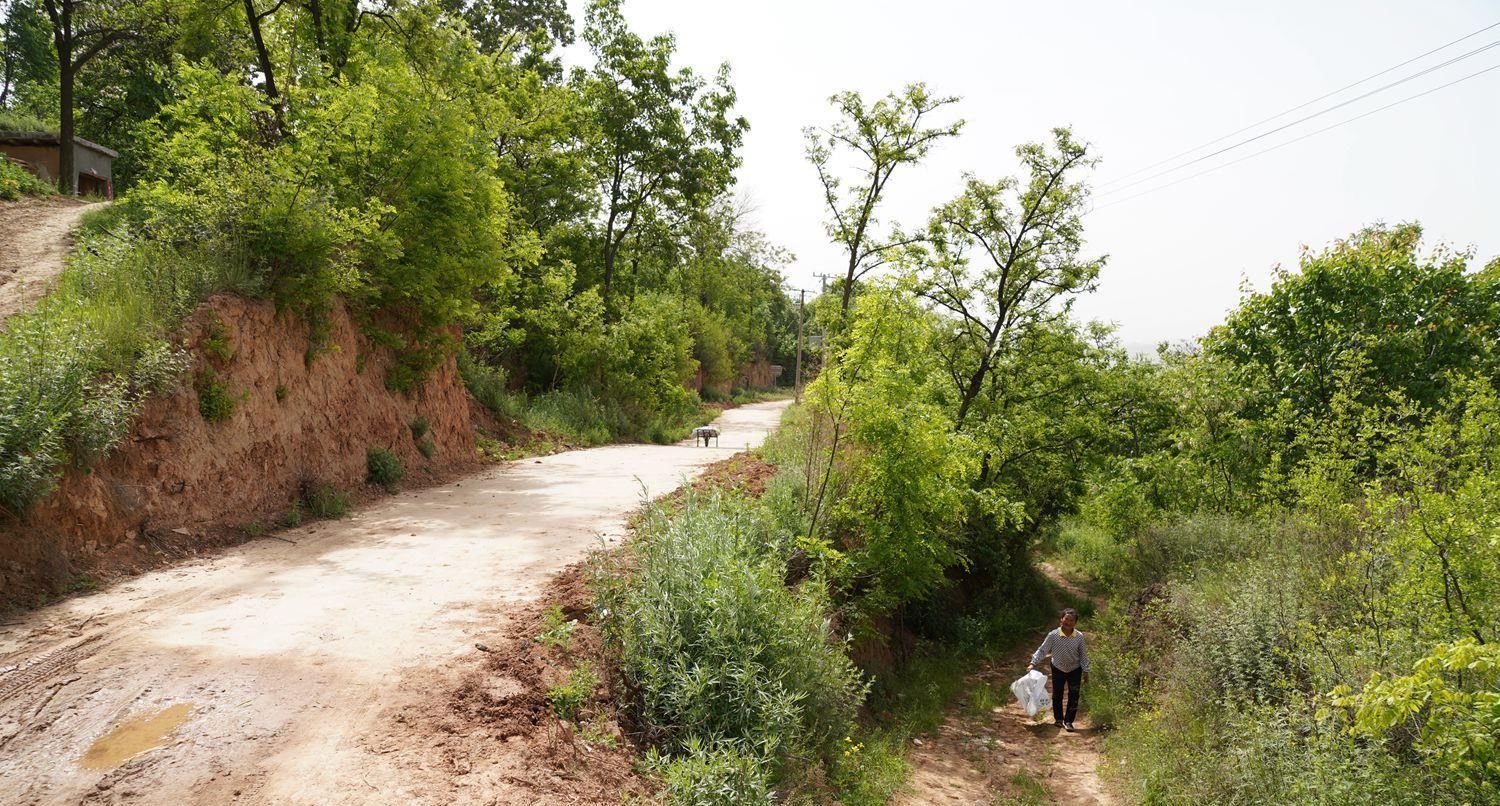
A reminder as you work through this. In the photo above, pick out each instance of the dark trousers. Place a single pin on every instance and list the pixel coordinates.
(1072, 681)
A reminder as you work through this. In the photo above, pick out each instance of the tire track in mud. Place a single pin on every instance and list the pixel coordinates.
(19, 677)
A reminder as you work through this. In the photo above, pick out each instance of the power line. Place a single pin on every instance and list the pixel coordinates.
(1306, 118)
(1303, 105)
(1299, 139)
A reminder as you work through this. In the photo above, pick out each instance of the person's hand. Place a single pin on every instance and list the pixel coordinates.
(1030, 667)
(1085, 677)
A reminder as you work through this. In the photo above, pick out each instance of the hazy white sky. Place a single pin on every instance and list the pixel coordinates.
(1142, 81)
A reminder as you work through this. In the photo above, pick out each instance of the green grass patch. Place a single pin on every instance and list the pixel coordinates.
(215, 342)
(383, 467)
(557, 630)
(216, 400)
(75, 370)
(291, 517)
(327, 501)
(16, 182)
(569, 697)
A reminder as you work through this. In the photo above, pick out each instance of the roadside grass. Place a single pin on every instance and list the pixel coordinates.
(327, 501)
(557, 630)
(736, 679)
(570, 696)
(384, 467)
(575, 419)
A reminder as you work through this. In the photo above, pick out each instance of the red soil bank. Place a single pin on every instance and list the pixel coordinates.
(181, 483)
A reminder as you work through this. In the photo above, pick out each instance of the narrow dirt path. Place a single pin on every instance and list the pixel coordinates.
(986, 756)
(34, 248)
(251, 677)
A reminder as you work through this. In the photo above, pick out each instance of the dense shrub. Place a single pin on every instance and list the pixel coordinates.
(216, 401)
(1332, 651)
(699, 776)
(725, 657)
(74, 371)
(569, 696)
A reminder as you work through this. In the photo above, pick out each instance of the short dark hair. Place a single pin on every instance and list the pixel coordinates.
(1068, 611)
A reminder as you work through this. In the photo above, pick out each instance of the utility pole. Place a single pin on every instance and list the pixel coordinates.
(797, 384)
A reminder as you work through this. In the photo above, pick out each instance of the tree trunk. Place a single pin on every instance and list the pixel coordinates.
(263, 56)
(67, 175)
(970, 392)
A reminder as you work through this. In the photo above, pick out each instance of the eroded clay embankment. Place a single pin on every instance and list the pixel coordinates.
(180, 483)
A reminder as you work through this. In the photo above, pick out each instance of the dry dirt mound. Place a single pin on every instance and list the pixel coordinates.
(482, 729)
(33, 248)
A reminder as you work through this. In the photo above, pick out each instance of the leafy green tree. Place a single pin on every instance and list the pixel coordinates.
(501, 26)
(27, 63)
(1005, 257)
(879, 138)
(666, 141)
(1370, 314)
(892, 474)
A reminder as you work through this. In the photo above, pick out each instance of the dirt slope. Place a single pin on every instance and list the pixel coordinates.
(257, 674)
(33, 244)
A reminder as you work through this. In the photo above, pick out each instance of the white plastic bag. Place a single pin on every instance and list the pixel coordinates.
(1031, 690)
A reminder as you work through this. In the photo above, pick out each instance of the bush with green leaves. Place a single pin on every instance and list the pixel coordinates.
(723, 655)
(75, 370)
(569, 697)
(1331, 650)
(1447, 708)
(16, 182)
(216, 400)
(557, 629)
(702, 776)
(384, 467)
(889, 470)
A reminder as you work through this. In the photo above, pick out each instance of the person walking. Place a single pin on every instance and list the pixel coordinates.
(1070, 666)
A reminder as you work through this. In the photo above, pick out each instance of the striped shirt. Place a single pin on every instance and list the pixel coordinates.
(1067, 651)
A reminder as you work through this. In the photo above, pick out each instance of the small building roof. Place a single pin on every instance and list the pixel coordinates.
(10, 138)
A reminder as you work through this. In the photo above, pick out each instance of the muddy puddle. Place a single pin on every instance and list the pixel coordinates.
(134, 736)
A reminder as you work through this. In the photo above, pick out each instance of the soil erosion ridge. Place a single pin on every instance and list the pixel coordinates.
(251, 677)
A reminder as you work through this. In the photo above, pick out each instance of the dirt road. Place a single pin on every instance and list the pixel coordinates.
(33, 246)
(254, 674)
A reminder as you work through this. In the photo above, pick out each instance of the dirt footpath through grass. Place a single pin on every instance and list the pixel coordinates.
(996, 754)
(34, 248)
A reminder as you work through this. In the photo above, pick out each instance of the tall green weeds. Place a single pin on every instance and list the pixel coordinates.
(74, 371)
